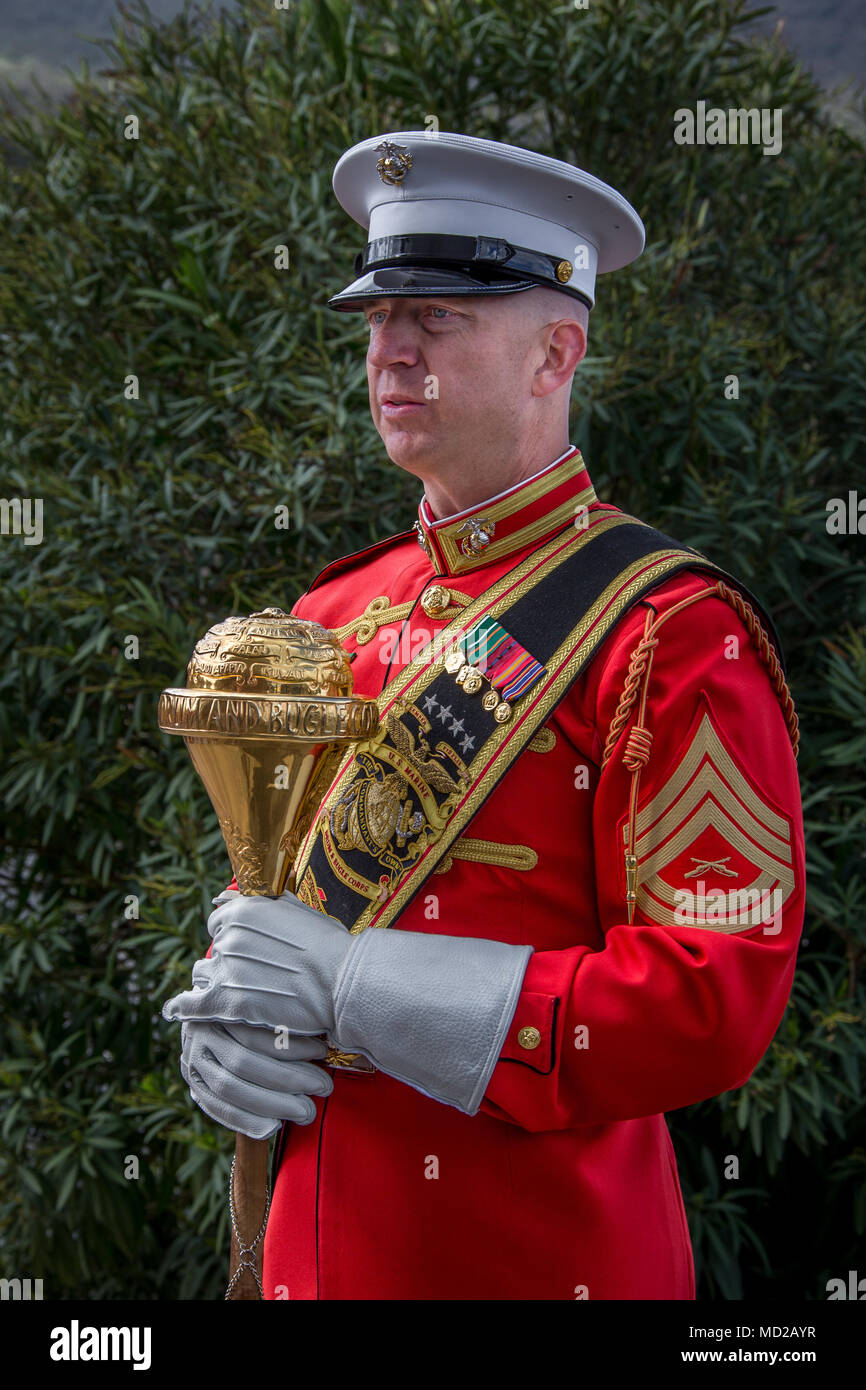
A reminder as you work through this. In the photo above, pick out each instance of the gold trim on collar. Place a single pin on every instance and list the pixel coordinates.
(446, 537)
(542, 526)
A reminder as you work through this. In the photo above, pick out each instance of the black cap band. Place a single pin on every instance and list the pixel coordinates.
(460, 250)
(479, 263)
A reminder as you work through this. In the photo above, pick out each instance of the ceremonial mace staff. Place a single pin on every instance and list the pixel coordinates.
(267, 714)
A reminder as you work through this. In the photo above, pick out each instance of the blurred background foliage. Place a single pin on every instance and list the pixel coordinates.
(155, 257)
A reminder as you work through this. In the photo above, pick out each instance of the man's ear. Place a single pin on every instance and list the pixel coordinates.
(566, 348)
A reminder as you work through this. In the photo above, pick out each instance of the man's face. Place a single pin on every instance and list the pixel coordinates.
(446, 377)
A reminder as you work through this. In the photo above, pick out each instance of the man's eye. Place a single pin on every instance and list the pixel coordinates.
(439, 312)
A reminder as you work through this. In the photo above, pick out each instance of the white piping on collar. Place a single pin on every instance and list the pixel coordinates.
(479, 506)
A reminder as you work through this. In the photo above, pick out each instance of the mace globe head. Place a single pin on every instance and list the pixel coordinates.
(268, 709)
(270, 653)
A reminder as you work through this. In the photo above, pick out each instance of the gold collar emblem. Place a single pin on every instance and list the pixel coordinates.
(504, 525)
(423, 542)
(477, 534)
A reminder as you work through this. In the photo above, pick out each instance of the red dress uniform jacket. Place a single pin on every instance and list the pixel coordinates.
(564, 1185)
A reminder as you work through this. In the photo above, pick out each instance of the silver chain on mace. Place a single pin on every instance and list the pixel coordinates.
(246, 1253)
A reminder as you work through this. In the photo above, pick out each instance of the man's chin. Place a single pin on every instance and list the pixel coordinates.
(406, 448)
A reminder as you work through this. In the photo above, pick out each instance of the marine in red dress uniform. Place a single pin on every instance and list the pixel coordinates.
(564, 1184)
(613, 934)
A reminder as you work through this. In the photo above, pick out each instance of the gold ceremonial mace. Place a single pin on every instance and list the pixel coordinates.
(266, 716)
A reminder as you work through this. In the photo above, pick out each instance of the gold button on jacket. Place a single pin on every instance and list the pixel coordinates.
(435, 600)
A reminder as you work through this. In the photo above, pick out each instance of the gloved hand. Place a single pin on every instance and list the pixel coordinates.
(273, 964)
(430, 1010)
(251, 1079)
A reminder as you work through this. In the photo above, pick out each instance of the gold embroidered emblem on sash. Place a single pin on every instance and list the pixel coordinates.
(388, 808)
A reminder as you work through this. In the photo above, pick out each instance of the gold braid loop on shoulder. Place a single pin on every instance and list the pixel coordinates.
(767, 653)
(637, 747)
(636, 671)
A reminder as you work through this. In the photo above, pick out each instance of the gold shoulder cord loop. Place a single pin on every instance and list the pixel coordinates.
(638, 745)
(767, 652)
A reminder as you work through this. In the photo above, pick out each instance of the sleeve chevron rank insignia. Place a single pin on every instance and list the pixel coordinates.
(711, 852)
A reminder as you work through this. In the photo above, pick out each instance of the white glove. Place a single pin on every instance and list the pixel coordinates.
(273, 964)
(430, 1010)
(251, 1079)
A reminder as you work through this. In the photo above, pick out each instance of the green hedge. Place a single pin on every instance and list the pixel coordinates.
(155, 257)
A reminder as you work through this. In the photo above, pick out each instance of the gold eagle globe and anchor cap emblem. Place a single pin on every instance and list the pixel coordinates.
(394, 163)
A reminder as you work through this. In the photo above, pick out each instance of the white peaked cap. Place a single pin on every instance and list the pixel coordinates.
(449, 214)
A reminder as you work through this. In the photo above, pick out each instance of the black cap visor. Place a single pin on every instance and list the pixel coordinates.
(415, 282)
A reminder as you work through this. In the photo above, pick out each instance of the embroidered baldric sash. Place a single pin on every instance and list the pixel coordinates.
(454, 720)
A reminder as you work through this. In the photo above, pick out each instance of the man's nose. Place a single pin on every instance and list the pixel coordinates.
(392, 342)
